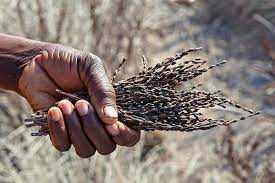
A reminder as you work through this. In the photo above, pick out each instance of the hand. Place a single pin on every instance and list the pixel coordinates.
(89, 127)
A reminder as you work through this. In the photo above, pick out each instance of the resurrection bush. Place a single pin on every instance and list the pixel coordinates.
(150, 100)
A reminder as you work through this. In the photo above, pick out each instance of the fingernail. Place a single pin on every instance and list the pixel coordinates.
(110, 112)
(113, 129)
(121, 126)
(65, 107)
(82, 108)
(54, 115)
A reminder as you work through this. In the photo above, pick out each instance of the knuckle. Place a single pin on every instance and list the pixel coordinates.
(126, 142)
(62, 148)
(92, 61)
(91, 123)
(134, 141)
(86, 154)
(108, 150)
(95, 77)
(107, 96)
(94, 58)
(74, 128)
(88, 125)
(59, 51)
(54, 50)
(122, 142)
(94, 68)
(130, 140)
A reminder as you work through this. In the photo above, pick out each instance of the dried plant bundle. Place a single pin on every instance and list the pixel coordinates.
(151, 99)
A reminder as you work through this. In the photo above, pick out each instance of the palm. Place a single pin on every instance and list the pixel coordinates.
(70, 70)
(41, 78)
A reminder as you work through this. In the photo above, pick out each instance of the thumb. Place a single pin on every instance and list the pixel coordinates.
(101, 91)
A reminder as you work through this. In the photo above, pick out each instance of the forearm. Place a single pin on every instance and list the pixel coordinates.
(14, 53)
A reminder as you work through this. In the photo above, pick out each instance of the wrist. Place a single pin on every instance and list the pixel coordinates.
(15, 53)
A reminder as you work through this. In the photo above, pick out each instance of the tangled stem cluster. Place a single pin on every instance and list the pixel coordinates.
(150, 100)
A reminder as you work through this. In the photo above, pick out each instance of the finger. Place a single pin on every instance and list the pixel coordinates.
(102, 93)
(83, 147)
(58, 133)
(94, 129)
(126, 137)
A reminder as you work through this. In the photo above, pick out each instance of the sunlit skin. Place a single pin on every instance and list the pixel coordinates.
(89, 126)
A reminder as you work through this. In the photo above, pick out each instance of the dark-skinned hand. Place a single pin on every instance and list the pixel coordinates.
(89, 126)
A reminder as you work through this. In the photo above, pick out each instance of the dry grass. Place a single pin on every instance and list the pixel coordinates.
(102, 27)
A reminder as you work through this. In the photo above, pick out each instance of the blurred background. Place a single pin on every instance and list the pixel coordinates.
(239, 31)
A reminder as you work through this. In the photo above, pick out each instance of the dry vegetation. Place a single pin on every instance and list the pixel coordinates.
(156, 29)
